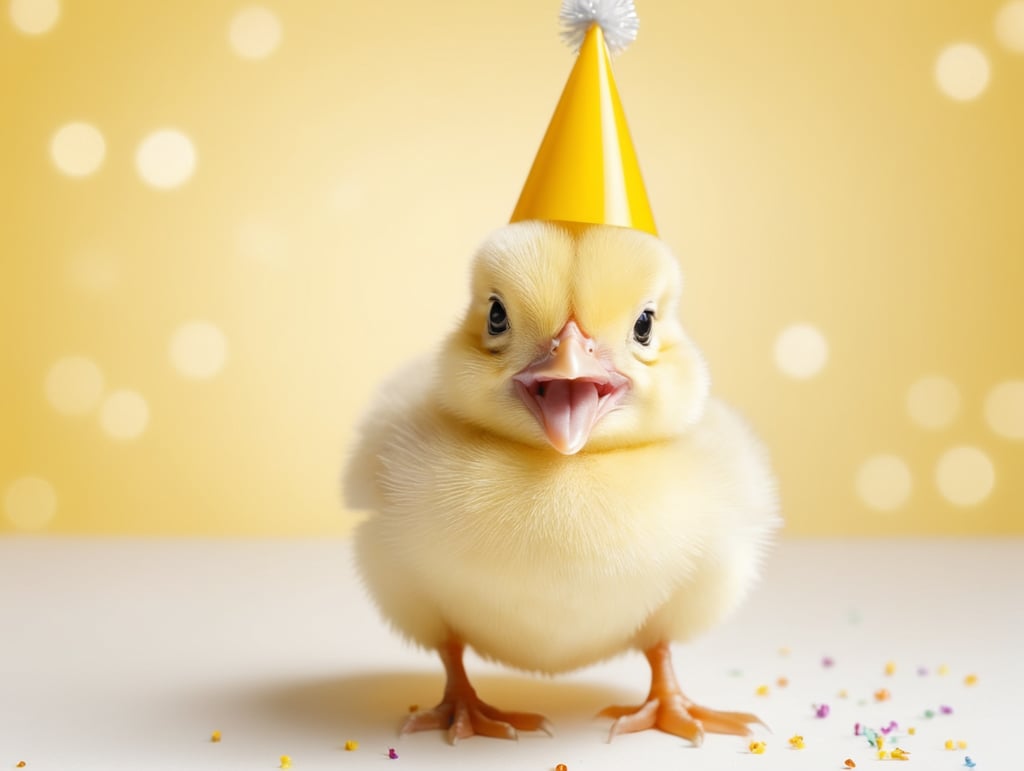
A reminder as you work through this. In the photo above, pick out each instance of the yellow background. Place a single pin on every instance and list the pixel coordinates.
(800, 158)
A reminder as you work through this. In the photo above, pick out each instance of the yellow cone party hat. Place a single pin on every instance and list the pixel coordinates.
(586, 170)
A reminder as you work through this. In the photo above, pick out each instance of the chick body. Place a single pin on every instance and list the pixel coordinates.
(481, 532)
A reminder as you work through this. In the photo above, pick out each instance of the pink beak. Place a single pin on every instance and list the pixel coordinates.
(569, 389)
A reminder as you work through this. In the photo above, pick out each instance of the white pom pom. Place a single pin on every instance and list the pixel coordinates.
(617, 19)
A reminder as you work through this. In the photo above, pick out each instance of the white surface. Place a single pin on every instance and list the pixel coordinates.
(127, 654)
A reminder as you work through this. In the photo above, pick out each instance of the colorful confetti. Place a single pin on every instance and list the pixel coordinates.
(561, 767)
(821, 710)
(968, 762)
(392, 754)
(849, 763)
(828, 662)
(351, 746)
(946, 710)
(757, 748)
(890, 668)
(286, 761)
(796, 742)
(882, 694)
(970, 680)
(215, 736)
(762, 690)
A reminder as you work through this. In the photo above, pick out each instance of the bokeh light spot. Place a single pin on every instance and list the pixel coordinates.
(30, 503)
(124, 414)
(1010, 26)
(254, 33)
(933, 402)
(884, 482)
(198, 349)
(965, 476)
(74, 385)
(962, 71)
(34, 17)
(801, 351)
(78, 149)
(1004, 409)
(166, 159)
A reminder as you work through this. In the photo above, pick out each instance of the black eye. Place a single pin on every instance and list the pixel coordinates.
(643, 327)
(497, 318)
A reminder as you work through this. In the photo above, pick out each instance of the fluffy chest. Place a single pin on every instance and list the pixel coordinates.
(496, 507)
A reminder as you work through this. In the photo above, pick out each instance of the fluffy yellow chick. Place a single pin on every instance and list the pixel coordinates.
(556, 486)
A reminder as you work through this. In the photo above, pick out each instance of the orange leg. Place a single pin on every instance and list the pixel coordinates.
(669, 710)
(462, 712)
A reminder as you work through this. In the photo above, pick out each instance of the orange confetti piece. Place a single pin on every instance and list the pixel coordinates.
(882, 694)
(849, 763)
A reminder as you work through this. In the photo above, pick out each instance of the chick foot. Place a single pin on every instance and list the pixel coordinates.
(464, 714)
(669, 710)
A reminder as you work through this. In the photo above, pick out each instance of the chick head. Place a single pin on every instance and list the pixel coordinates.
(572, 340)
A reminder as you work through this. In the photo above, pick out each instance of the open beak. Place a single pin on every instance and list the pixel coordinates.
(569, 389)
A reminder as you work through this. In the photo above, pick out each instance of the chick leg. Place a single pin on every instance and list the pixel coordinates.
(669, 710)
(463, 713)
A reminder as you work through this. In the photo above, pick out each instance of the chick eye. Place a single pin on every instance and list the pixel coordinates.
(643, 327)
(497, 318)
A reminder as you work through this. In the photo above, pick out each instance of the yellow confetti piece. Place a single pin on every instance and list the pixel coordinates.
(351, 745)
(961, 745)
(215, 736)
(970, 679)
(898, 754)
(911, 730)
(757, 748)
(843, 694)
(286, 761)
(883, 755)
(943, 669)
(762, 690)
(890, 668)
(797, 742)
(949, 744)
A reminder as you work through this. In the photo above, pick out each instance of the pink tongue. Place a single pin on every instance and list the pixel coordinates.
(570, 409)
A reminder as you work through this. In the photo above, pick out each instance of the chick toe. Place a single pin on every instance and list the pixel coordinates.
(668, 709)
(463, 714)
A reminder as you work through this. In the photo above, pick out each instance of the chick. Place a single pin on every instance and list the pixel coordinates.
(556, 486)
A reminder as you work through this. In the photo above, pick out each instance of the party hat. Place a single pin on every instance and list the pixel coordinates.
(586, 170)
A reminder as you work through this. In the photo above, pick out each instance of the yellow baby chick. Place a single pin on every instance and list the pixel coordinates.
(556, 486)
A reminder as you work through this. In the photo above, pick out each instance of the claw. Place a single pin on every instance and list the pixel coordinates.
(667, 709)
(462, 713)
